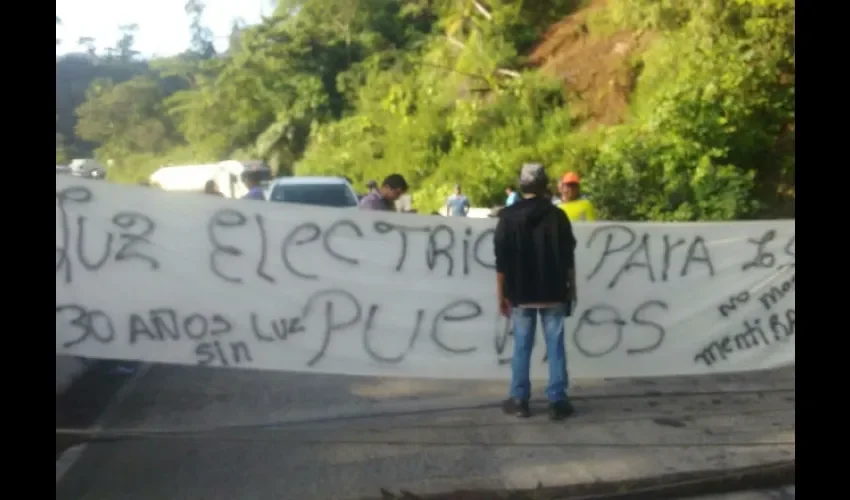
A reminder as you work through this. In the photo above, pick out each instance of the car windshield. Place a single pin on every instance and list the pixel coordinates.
(326, 195)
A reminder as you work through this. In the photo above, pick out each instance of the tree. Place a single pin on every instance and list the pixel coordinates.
(87, 43)
(128, 117)
(202, 38)
(124, 48)
(670, 110)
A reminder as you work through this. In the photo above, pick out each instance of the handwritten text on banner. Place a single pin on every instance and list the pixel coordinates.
(192, 279)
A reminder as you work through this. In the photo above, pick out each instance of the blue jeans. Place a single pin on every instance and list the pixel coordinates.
(525, 326)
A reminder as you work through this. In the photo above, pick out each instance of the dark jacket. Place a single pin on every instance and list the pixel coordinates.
(535, 248)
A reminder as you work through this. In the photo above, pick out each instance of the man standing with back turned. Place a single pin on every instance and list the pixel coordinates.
(535, 275)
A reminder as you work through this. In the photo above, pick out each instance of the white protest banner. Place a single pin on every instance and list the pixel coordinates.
(193, 279)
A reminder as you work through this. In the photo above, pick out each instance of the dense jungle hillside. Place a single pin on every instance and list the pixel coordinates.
(669, 109)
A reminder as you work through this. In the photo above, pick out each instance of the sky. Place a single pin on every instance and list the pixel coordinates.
(163, 25)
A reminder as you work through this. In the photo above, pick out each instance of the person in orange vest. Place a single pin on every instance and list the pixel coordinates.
(577, 207)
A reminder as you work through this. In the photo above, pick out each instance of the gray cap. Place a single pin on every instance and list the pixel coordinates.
(533, 175)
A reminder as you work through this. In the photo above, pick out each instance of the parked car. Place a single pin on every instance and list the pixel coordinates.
(320, 191)
(83, 167)
(87, 168)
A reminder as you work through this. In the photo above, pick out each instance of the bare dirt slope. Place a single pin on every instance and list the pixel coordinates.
(599, 71)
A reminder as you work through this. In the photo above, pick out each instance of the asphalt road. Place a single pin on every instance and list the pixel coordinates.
(784, 493)
(198, 433)
(80, 403)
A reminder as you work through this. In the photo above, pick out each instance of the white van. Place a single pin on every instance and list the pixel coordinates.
(227, 175)
(183, 177)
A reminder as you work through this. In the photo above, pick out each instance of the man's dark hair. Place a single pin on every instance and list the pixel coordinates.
(395, 181)
(510, 187)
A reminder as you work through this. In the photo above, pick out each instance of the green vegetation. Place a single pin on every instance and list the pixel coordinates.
(669, 109)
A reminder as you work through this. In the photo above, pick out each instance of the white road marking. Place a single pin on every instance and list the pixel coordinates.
(72, 454)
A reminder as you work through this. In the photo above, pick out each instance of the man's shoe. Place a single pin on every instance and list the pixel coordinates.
(560, 410)
(516, 407)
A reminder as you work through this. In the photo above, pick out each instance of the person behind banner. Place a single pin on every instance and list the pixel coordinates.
(251, 180)
(457, 205)
(212, 188)
(384, 198)
(512, 196)
(535, 276)
(576, 206)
